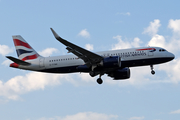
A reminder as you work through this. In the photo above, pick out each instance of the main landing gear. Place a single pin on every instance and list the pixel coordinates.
(152, 70)
(99, 80)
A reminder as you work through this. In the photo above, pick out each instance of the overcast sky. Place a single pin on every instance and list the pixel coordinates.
(96, 25)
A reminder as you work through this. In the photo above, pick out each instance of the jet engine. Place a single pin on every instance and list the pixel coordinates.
(111, 62)
(120, 74)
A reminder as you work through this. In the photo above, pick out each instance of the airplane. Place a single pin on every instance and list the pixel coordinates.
(115, 63)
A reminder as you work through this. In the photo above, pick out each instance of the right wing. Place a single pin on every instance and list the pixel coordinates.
(90, 58)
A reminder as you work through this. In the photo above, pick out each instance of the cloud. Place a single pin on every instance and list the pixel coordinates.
(174, 25)
(136, 118)
(84, 33)
(172, 70)
(30, 82)
(84, 116)
(125, 44)
(48, 51)
(136, 42)
(127, 13)
(161, 41)
(172, 44)
(89, 47)
(153, 28)
(158, 40)
(175, 112)
(18, 85)
(4, 50)
(86, 78)
(7, 62)
(137, 78)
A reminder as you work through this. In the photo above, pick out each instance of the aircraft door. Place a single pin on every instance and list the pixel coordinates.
(41, 62)
(150, 53)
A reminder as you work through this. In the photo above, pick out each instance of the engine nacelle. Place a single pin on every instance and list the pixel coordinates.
(111, 62)
(120, 74)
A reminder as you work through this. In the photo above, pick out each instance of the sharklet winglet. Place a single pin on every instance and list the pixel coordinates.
(55, 34)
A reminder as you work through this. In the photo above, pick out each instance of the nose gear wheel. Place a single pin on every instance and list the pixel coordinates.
(152, 70)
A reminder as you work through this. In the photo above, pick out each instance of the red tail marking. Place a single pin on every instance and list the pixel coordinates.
(21, 43)
(30, 57)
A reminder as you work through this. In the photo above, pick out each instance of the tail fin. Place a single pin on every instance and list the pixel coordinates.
(23, 49)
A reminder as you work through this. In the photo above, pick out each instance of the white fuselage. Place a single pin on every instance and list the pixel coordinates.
(129, 58)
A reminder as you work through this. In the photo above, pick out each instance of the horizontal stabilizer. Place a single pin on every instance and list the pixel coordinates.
(18, 61)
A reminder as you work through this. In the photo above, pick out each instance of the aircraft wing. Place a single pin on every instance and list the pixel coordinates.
(90, 58)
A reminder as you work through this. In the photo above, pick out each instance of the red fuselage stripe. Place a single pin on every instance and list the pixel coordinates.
(145, 49)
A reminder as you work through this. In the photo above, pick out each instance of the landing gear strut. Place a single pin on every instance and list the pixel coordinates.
(152, 70)
(92, 73)
(99, 80)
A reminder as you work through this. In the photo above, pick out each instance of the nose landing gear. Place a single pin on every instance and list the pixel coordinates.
(152, 70)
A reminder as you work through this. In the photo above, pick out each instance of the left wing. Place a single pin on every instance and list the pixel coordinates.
(90, 58)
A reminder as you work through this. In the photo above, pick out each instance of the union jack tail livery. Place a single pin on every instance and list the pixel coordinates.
(23, 49)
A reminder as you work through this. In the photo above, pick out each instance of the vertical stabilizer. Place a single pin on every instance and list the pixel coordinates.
(23, 49)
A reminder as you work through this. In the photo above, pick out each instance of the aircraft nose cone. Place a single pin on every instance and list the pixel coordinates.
(172, 56)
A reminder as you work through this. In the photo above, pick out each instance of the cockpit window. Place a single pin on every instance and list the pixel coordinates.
(162, 50)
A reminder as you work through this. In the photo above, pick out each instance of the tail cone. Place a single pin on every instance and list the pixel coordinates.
(15, 65)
